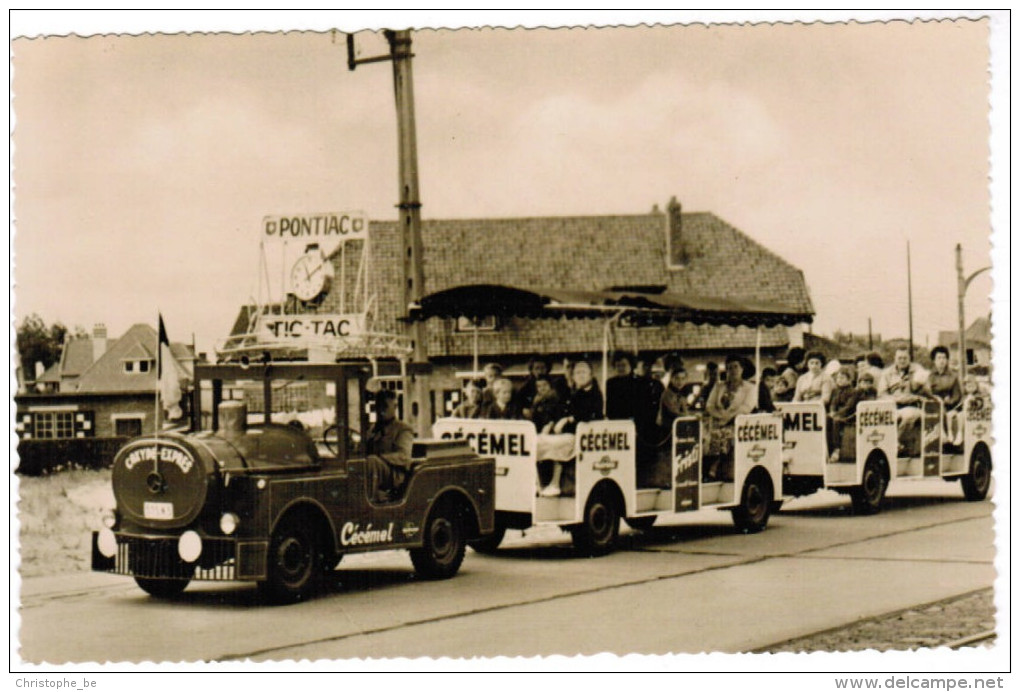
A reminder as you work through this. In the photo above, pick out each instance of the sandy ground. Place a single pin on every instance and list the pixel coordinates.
(57, 514)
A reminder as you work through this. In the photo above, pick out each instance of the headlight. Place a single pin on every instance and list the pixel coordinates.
(107, 543)
(189, 546)
(228, 523)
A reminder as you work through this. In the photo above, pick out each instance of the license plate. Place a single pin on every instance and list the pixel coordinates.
(158, 510)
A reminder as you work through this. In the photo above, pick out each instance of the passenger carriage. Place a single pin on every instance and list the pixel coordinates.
(872, 455)
(603, 456)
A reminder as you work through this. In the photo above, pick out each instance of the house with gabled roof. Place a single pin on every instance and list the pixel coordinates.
(978, 341)
(672, 251)
(99, 389)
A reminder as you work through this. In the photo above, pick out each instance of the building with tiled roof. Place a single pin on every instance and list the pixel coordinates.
(978, 338)
(675, 251)
(99, 393)
(695, 253)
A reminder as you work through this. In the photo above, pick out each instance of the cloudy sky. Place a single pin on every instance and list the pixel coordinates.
(143, 164)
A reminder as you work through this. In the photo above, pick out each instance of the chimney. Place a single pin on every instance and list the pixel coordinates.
(674, 234)
(98, 341)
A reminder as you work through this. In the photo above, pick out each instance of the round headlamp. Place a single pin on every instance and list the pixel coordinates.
(228, 523)
(107, 543)
(189, 546)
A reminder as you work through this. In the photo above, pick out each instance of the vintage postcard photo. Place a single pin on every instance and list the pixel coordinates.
(341, 343)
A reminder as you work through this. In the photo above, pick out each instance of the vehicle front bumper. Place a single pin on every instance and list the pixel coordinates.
(156, 557)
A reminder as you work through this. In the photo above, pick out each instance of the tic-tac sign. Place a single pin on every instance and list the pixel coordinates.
(328, 229)
(310, 328)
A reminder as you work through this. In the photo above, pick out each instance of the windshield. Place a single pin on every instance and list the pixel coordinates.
(305, 406)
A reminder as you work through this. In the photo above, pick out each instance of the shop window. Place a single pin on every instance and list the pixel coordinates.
(51, 425)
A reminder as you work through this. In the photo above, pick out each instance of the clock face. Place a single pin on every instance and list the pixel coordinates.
(310, 276)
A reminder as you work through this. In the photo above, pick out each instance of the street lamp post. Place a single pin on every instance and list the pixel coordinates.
(961, 290)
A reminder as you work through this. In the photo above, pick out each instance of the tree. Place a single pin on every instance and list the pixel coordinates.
(38, 343)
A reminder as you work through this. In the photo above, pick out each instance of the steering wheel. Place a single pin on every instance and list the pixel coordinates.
(331, 438)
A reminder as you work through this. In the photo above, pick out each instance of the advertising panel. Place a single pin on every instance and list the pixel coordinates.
(686, 464)
(512, 443)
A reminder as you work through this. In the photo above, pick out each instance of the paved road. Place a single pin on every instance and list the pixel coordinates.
(688, 586)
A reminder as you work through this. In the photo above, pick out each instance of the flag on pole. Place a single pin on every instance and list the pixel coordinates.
(168, 384)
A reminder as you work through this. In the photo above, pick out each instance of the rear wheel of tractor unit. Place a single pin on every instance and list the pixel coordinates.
(444, 544)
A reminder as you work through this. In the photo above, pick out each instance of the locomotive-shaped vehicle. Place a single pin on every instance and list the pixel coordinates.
(606, 486)
(872, 455)
(281, 500)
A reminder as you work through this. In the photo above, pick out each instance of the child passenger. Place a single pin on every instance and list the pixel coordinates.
(546, 407)
(866, 387)
(781, 390)
(842, 409)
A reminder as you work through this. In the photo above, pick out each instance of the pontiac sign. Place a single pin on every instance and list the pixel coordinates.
(328, 229)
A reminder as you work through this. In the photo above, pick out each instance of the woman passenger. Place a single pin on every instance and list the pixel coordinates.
(583, 405)
(944, 385)
(814, 385)
(471, 405)
(729, 399)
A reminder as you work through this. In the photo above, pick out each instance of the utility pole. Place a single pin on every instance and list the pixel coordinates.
(413, 275)
(870, 345)
(910, 304)
(961, 290)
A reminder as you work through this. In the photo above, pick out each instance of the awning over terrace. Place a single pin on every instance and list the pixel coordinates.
(484, 300)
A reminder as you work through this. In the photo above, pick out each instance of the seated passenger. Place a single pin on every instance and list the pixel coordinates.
(842, 410)
(649, 397)
(943, 384)
(863, 364)
(388, 446)
(781, 391)
(711, 379)
(502, 406)
(899, 383)
(814, 385)
(546, 407)
(471, 405)
(769, 376)
(537, 367)
(620, 389)
(491, 372)
(866, 387)
(972, 389)
(729, 399)
(583, 405)
(673, 403)
(795, 366)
